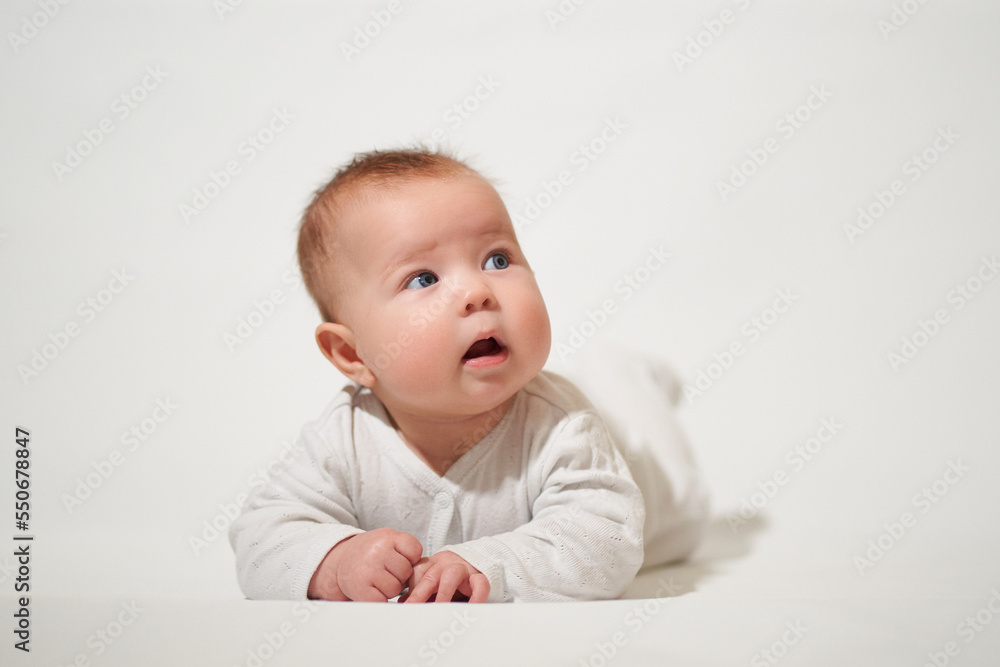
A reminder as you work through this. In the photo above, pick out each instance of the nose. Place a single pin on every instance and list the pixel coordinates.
(476, 296)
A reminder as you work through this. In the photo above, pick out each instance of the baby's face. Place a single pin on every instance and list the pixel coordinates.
(442, 303)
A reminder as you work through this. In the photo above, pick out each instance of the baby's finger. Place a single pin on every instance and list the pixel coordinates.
(418, 571)
(398, 566)
(409, 547)
(425, 587)
(451, 578)
(480, 587)
(388, 585)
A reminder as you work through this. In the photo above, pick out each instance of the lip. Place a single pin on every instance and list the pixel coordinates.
(490, 359)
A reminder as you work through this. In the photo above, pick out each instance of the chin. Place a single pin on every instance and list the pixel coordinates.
(484, 399)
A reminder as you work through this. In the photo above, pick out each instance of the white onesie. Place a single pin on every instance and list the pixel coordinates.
(544, 505)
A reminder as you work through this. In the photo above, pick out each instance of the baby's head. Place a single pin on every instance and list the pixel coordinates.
(425, 294)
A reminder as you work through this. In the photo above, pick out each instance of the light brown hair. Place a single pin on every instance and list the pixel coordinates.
(317, 243)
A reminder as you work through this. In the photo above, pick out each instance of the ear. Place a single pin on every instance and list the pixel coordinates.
(336, 342)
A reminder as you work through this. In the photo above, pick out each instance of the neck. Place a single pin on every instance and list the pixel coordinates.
(441, 442)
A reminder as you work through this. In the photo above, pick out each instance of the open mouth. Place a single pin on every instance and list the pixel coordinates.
(486, 347)
(485, 353)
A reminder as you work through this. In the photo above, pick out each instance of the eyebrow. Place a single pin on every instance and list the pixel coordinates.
(405, 258)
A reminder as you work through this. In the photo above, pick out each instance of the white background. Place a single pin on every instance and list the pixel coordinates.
(556, 85)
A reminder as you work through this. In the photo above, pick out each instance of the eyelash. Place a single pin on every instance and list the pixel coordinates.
(502, 250)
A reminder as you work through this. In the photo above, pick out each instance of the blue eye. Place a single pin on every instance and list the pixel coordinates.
(425, 279)
(498, 261)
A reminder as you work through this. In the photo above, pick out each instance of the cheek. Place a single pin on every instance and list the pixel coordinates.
(534, 321)
(543, 327)
(410, 348)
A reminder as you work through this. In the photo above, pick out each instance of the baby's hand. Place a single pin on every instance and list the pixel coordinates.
(370, 567)
(444, 574)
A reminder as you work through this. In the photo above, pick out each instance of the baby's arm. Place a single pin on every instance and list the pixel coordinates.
(585, 538)
(289, 526)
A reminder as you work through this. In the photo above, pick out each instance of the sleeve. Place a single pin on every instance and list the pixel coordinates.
(289, 524)
(584, 540)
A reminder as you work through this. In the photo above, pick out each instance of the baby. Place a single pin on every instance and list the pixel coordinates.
(452, 467)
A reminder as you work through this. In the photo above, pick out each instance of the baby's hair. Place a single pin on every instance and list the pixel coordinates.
(375, 169)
